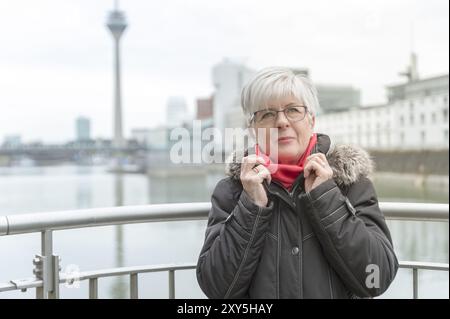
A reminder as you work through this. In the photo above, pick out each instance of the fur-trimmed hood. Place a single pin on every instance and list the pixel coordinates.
(348, 162)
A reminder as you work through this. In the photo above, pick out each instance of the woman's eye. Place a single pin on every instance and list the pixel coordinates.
(293, 111)
(267, 115)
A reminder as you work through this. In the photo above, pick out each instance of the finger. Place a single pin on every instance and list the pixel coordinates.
(257, 168)
(320, 161)
(250, 161)
(307, 169)
(323, 157)
(320, 156)
(254, 159)
(312, 166)
(264, 173)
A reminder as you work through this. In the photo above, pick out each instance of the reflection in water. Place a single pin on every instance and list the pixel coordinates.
(420, 241)
(411, 188)
(119, 287)
(191, 187)
(84, 191)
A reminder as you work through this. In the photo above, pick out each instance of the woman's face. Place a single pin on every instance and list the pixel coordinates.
(285, 139)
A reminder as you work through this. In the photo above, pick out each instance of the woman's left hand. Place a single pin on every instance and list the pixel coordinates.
(317, 170)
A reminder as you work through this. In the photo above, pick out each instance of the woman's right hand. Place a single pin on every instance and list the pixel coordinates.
(253, 173)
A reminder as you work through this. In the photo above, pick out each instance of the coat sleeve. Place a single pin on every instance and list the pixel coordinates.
(234, 239)
(353, 235)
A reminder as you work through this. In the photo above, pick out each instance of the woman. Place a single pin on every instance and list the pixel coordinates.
(296, 218)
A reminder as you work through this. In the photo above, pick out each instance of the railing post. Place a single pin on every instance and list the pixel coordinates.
(171, 284)
(415, 283)
(134, 286)
(93, 288)
(54, 293)
(37, 271)
(46, 251)
(39, 293)
(50, 268)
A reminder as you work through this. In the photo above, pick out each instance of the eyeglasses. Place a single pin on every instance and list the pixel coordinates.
(268, 117)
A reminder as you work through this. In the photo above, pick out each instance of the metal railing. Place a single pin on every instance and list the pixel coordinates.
(94, 275)
(48, 276)
(415, 266)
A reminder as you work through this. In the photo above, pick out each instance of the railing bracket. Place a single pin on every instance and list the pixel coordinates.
(21, 284)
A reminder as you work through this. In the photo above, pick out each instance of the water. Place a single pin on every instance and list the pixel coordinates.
(70, 187)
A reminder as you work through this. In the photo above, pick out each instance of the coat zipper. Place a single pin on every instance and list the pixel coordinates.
(291, 195)
(278, 253)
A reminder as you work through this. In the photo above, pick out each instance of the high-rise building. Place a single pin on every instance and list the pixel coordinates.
(83, 129)
(205, 108)
(335, 98)
(229, 78)
(176, 112)
(301, 71)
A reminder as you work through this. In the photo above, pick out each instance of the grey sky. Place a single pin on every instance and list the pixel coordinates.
(56, 56)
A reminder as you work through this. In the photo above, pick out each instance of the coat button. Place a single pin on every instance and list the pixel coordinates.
(295, 250)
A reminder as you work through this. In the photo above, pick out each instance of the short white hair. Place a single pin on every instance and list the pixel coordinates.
(274, 83)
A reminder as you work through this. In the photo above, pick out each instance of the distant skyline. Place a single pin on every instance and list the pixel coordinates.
(56, 58)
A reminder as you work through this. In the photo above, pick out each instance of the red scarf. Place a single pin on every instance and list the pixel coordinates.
(287, 173)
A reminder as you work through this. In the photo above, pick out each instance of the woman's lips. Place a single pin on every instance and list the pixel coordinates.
(285, 140)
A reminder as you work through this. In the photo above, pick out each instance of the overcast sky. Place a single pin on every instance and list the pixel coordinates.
(56, 55)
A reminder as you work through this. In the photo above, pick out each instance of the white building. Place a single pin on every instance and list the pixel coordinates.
(154, 138)
(12, 141)
(83, 128)
(140, 135)
(229, 78)
(333, 98)
(414, 118)
(176, 112)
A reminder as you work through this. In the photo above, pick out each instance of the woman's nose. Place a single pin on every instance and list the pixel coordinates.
(281, 120)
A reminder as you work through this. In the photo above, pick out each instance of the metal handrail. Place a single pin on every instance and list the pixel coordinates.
(94, 275)
(47, 283)
(415, 211)
(69, 219)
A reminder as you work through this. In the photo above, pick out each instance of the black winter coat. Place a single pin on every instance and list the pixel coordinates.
(332, 242)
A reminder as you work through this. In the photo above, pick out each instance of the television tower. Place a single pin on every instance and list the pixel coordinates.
(117, 24)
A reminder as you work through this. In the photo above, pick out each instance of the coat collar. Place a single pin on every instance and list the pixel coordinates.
(348, 162)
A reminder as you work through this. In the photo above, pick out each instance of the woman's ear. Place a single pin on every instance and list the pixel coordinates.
(252, 132)
(312, 121)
